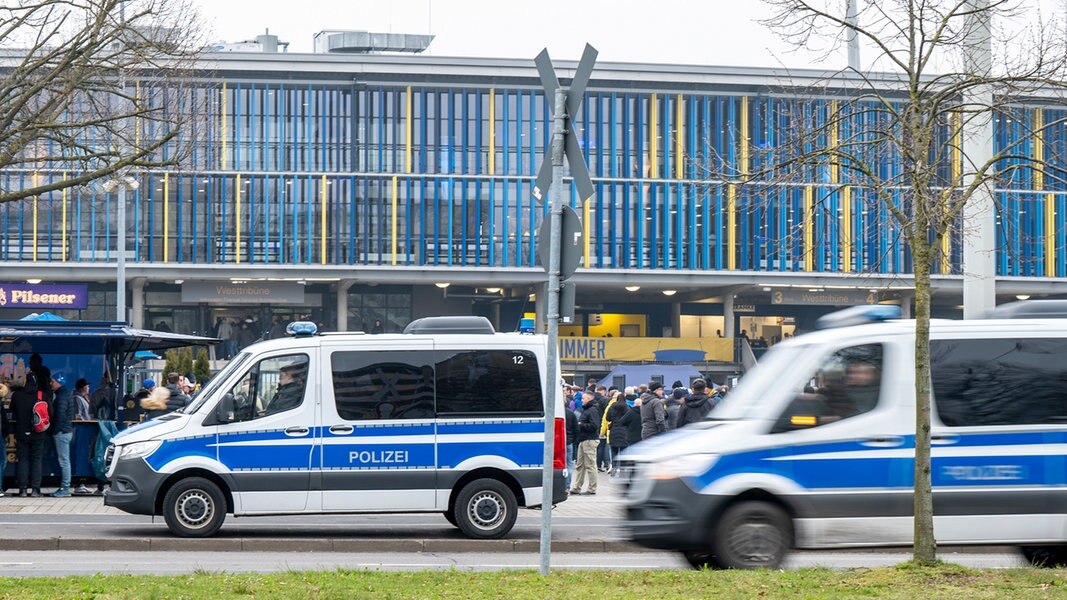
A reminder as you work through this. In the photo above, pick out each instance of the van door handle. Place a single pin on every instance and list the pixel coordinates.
(884, 441)
(296, 431)
(944, 440)
(342, 429)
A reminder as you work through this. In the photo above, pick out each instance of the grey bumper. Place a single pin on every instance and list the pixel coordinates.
(673, 517)
(133, 487)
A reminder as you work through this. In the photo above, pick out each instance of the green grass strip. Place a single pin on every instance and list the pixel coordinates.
(944, 581)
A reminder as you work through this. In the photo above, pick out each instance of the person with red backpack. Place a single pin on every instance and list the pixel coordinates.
(32, 419)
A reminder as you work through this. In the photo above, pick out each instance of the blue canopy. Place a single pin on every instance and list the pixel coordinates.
(88, 337)
(45, 316)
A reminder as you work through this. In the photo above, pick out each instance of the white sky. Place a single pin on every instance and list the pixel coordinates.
(702, 32)
(706, 32)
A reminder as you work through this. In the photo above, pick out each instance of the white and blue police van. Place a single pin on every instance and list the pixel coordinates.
(815, 448)
(447, 417)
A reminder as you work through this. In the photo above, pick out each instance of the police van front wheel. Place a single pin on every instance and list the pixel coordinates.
(752, 535)
(486, 509)
(194, 507)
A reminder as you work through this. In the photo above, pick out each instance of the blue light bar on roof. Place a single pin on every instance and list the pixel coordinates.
(859, 315)
(301, 329)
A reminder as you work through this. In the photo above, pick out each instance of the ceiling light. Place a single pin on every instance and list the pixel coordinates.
(669, 292)
(1022, 296)
(442, 284)
(766, 289)
(493, 290)
(33, 281)
(632, 288)
(179, 281)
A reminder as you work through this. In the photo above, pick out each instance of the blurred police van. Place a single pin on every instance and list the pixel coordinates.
(447, 417)
(816, 446)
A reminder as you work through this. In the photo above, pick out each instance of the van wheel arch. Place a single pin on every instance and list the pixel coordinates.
(171, 481)
(704, 557)
(486, 473)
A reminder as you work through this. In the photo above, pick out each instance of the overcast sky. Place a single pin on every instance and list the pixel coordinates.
(706, 32)
(703, 32)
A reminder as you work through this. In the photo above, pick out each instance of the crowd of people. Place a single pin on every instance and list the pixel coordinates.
(39, 409)
(603, 421)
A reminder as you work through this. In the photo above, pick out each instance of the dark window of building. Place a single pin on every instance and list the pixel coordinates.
(1000, 381)
(478, 382)
(383, 385)
(845, 385)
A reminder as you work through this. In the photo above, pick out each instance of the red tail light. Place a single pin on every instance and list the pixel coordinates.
(559, 449)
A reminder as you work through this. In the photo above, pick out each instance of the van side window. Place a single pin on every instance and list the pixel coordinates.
(272, 385)
(999, 381)
(493, 382)
(383, 385)
(848, 383)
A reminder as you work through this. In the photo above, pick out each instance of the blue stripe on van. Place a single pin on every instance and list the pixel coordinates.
(169, 450)
(501, 427)
(985, 468)
(378, 456)
(385, 429)
(521, 453)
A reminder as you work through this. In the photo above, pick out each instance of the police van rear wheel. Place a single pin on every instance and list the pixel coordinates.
(486, 509)
(1048, 557)
(752, 535)
(194, 507)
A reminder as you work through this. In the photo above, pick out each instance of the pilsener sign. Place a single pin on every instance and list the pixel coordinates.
(27, 295)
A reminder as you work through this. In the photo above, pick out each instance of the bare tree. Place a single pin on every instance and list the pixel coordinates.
(94, 87)
(911, 118)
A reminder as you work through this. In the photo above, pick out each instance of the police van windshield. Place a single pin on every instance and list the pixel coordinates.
(209, 390)
(757, 386)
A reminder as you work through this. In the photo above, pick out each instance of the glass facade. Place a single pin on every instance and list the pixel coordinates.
(329, 173)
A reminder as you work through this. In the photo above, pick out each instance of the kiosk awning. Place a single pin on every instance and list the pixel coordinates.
(88, 337)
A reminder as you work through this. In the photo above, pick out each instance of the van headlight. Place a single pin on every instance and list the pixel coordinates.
(138, 449)
(687, 465)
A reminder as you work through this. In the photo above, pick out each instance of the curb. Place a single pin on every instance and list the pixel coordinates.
(318, 545)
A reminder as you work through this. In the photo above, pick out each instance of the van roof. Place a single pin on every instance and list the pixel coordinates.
(938, 328)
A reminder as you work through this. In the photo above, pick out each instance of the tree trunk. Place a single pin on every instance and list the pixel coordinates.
(924, 551)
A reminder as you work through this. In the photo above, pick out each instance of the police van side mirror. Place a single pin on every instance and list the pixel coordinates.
(224, 412)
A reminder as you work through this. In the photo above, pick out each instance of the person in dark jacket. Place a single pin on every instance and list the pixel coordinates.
(290, 392)
(589, 439)
(30, 442)
(616, 429)
(632, 422)
(43, 376)
(571, 430)
(653, 415)
(178, 397)
(62, 430)
(697, 405)
(673, 405)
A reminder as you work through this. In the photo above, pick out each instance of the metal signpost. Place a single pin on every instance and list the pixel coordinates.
(566, 104)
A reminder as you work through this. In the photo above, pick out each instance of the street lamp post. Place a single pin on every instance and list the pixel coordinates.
(120, 184)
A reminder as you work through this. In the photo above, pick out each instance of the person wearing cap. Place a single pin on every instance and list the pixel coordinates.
(290, 389)
(62, 430)
(81, 400)
(653, 415)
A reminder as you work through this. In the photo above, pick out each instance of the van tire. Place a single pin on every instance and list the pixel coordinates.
(1046, 557)
(485, 509)
(752, 535)
(450, 516)
(194, 507)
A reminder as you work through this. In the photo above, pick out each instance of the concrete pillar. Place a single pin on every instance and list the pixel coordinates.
(342, 303)
(728, 315)
(494, 315)
(138, 303)
(979, 243)
(676, 319)
(905, 305)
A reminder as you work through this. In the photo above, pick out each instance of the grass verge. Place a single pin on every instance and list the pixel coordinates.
(943, 581)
